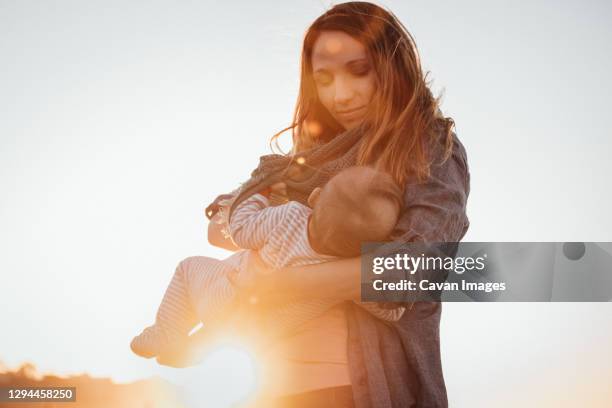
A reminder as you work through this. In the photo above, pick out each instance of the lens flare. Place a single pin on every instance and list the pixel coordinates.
(230, 366)
(314, 128)
(333, 46)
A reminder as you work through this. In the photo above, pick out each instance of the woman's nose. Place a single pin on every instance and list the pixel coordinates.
(343, 92)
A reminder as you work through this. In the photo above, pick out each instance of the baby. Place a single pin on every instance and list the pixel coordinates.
(359, 204)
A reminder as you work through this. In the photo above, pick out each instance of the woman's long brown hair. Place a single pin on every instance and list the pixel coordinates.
(403, 118)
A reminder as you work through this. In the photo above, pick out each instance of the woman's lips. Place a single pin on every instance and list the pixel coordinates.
(351, 114)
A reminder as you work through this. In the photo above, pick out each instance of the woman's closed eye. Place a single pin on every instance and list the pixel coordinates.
(357, 69)
(323, 78)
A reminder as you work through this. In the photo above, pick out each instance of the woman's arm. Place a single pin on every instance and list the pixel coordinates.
(335, 280)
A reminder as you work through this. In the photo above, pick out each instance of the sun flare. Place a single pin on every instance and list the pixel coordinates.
(228, 366)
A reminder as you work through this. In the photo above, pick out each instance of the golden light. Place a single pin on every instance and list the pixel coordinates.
(333, 46)
(300, 160)
(231, 365)
(314, 128)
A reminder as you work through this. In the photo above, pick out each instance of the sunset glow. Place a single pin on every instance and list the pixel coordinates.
(121, 123)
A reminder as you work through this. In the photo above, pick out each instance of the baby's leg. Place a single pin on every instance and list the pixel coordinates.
(177, 315)
(209, 289)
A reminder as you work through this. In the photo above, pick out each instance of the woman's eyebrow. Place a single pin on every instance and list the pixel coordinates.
(350, 63)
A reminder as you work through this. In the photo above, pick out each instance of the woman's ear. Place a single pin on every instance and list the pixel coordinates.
(314, 197)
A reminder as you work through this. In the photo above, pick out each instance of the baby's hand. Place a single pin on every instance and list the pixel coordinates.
(278, 194)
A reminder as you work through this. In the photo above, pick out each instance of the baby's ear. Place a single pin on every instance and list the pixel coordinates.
(314, 197)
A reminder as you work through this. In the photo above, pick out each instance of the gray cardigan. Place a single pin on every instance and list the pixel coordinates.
(398, 364)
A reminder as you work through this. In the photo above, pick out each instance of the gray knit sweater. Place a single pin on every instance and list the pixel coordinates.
(398, 364)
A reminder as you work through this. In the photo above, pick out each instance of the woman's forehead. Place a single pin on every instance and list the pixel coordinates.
(336, 48)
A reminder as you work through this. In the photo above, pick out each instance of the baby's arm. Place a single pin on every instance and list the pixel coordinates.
(253, 221)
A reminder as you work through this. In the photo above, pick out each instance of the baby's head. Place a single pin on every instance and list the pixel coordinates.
(359, 204)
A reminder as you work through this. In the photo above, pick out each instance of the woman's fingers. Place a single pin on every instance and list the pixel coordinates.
(277, 199)
(250, 291)
(278, 194)
(257, 266)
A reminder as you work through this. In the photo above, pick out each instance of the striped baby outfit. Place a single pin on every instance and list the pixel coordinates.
(280, 234)
(200, 290)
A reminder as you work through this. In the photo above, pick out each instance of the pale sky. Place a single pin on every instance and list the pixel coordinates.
(121, 120)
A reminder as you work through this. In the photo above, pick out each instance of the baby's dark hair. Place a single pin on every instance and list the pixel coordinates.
(359, 204)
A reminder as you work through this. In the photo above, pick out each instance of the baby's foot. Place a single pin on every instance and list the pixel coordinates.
(151, 342)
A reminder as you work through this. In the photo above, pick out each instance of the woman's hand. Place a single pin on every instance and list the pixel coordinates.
(278, 194)
(260, 289)
(216, 236)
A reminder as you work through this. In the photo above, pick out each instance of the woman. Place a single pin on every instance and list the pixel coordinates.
(364, 100)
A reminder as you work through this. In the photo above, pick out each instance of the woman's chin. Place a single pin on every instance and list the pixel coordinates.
(350, 125)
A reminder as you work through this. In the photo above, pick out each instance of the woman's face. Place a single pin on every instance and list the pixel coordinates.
(344, 77)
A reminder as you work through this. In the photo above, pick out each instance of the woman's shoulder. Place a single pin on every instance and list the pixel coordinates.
(445, 146)
(459, 154)
(435, 209)
(447, 159)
